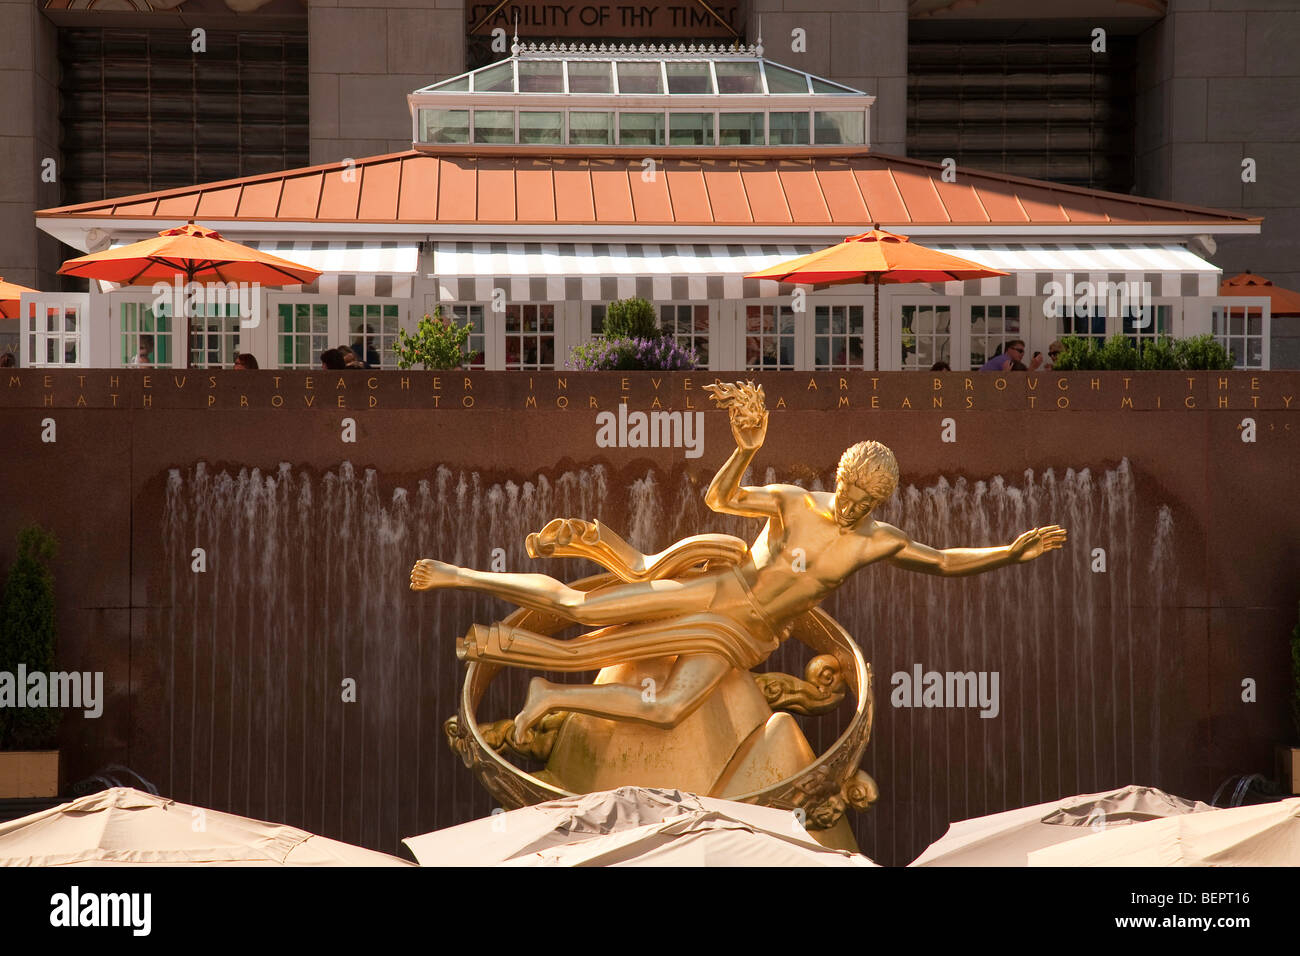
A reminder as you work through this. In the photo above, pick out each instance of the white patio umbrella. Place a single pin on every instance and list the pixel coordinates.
(631, 826)
(127, 827)
(1006, 839)
(1267, 834)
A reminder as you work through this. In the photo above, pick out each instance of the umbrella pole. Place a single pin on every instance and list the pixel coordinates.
(190, 273)
(875, 315)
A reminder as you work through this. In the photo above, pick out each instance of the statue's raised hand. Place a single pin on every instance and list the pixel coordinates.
(744, 404)
(1032, 544)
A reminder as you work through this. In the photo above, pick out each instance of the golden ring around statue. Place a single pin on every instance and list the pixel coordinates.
(819, 793)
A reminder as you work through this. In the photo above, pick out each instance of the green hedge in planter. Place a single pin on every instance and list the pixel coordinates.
(1120, 354)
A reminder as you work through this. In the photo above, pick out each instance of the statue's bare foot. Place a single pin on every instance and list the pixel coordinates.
(536, 706)
(428, 574)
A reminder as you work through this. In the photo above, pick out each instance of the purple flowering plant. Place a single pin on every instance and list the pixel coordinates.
(623, 354)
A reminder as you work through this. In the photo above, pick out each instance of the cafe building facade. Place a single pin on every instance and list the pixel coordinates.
(542, 187)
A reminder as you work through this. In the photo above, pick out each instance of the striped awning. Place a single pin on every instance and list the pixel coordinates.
(556, 272)
(359, 267)
(1171, 269)
(380, 269)
(469, 271)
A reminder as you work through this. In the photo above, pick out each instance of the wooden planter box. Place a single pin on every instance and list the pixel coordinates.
(1288, 768)
(29, 773)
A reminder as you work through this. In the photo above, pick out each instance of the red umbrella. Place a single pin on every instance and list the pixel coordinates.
(194, 253)
(876, 257)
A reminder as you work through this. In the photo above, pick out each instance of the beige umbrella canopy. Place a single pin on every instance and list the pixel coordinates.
(1007, 839)
(127, 827)
(631, 826)
(1263, 835)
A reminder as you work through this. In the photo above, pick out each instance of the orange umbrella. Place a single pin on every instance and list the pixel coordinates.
(876, 257)
(10, 294)
(193, 252)
(1284, 301)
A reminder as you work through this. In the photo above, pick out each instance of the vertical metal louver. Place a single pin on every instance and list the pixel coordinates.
(1046, 109)
(140, 111)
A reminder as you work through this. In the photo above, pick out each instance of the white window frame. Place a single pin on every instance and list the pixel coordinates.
(80, 301)
(1028, 331)
(891, 337)
(1264, 304)
(493, 350)
(243, 336)
(274, 301)
(403, 318)
(837, 302)
(802, 347)
(692, 303)
(557, 334)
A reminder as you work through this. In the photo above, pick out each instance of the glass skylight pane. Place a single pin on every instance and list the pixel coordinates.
(639, 78)
(541, 127)
(586, 76)
(689, 78)
(494, 126)
(691, 129)
(738, 77)
(591, 129)
(840, 126)
(740, 129)
(788, 129)
(823, 86)
(444, 126)
(498, 78)
(457, 84)
(781, 80)
(541, 76)
(640, 129)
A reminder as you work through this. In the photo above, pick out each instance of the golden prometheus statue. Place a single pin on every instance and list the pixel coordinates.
(696, 618)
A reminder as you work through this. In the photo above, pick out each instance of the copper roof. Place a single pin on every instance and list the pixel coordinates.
(759, 188)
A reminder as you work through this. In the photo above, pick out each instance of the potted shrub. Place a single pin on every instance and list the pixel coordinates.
(29, 766)
(436, 344)
(1289, 757)
(632, 318)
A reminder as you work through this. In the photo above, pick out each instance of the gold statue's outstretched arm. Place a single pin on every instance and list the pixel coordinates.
(958, 562)
(744, 404)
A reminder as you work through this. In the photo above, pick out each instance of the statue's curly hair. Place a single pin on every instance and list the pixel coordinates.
(872, 467)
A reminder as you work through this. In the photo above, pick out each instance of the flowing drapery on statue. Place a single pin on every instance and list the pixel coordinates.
(710, 601)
